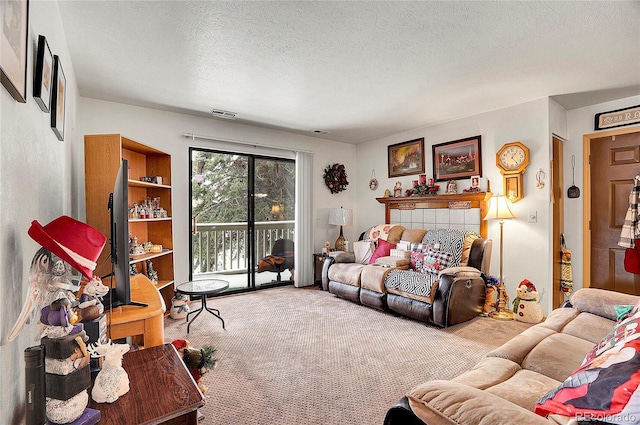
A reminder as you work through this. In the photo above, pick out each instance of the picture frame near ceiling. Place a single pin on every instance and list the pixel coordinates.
(43, 75)
(459, 159)
(58, 93)
(406, 158)
(617, 118)
(14, 38)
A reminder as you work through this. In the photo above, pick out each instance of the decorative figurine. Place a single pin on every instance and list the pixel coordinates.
(526, 305)
(179, 306)
(90, 299)
(152, 274)
(112, 381)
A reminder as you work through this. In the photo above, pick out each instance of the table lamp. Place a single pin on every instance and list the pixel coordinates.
(499, 210)
(340, 217)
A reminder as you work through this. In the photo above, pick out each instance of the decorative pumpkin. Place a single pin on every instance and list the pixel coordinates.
(335, 177)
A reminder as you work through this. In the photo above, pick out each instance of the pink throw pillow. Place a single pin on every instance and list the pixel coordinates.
(384, 249)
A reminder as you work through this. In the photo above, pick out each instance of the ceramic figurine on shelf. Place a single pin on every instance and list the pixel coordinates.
(152, 274)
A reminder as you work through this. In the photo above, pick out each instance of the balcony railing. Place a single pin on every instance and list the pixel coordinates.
(222, 247)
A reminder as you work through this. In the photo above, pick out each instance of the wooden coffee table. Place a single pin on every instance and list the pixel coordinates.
(203, 288)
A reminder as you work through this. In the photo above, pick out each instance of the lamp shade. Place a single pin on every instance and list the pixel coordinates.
(340, 217)
(499, 209)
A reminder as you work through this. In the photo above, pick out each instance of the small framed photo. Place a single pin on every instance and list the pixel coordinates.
(475, 181)
(457, 160)
(406, 158)
(452, 187)
(43, 75)
(58, 92)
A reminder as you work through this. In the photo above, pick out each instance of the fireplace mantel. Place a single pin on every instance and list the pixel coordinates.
(457, 200)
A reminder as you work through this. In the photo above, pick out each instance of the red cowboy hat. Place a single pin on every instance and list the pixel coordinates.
(75, 242)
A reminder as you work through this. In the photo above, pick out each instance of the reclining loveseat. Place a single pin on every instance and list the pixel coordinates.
(441, 283)
(578, 366)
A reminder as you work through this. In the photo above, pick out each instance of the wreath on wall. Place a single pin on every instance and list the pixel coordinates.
(335, 177)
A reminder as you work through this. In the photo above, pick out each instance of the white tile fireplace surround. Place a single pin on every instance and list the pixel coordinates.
(461, 211)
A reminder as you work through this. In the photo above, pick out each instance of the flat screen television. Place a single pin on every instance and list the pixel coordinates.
(120, 294)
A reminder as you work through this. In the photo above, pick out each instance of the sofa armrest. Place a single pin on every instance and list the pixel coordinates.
(461, 272)
(328, 261)
(455, 403)
(601, 302)
(459, 296)
(343, 257)
(401, 414)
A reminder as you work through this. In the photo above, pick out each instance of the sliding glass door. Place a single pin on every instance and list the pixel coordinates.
(241, 205)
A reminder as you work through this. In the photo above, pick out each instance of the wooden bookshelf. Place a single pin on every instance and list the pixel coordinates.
(103, 154)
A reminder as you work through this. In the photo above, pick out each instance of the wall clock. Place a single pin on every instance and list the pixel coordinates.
(512, 159)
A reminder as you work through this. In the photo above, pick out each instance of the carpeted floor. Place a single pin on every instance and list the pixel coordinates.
(303, 356)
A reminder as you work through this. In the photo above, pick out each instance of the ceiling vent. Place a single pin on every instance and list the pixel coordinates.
(219, 113)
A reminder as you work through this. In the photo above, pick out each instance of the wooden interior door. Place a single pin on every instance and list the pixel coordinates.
(614, 162)
(557, 199)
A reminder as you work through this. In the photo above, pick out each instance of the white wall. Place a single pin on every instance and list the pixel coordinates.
(35, 184)
(526, 245)
(581, 122)
(163, 130)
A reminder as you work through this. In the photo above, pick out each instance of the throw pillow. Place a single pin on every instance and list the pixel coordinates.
(413, 235)
(466, 246)
(363, 251)
(389, 232)
(418, 251)
(436, 261)
(606, 386)
(383, 250)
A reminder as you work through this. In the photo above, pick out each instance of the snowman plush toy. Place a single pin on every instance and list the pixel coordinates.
(526, 305)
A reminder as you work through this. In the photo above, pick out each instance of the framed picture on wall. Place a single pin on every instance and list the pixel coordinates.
(406, 158)
(617, 118)
(14, 38)
(459, 159)
(58, 98)
(43, 74)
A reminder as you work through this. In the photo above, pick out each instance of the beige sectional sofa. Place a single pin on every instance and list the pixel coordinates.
(447, 297)
(506, 384)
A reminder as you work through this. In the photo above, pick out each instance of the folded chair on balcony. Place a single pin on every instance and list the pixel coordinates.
(281, 259)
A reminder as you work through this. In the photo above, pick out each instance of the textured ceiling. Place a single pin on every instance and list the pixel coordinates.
(356, 70)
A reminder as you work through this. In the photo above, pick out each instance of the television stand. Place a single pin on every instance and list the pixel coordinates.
(146, 324)
(111, 303)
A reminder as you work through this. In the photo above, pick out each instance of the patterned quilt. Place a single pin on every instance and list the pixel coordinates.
(412, 282)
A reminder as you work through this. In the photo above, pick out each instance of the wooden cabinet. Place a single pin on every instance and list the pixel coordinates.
(103, 154)
(318, 263)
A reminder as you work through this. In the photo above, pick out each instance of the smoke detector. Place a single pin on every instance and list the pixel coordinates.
(227, 115)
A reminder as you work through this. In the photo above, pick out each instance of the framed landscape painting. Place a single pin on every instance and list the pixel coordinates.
(460, 159)
(14, 36)
(406, 158)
